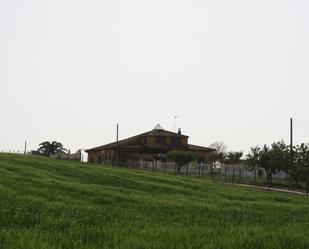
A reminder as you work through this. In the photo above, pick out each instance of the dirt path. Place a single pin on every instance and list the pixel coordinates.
(270, 189)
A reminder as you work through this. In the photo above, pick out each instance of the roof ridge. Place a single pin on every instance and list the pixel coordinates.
(123, 141)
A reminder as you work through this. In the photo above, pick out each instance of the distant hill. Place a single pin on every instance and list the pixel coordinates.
(47, 203)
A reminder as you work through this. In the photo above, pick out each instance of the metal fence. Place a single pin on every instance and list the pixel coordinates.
(77, 156)
(14, 152)
(235, 174)
(69, 156)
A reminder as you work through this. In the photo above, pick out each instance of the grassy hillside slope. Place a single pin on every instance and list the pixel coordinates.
(48, 203)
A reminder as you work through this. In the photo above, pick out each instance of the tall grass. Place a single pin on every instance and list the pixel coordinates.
(47, 203)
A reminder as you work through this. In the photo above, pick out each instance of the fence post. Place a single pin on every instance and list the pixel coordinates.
(290, 180)
(233, 176)
(255, 176)
(225, 173)
(187, 169)
(202, 170)
(239, 175)
(307, 184)
(199, 170)
(211, 171)
(175, 169)
(268, 180)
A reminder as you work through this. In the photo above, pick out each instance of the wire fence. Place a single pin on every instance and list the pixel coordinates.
(234, 174)
(15, 152)
(77, 156)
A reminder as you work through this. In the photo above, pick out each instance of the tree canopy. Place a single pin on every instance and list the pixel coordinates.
(233, 157)
(301, 160)
(180, 157)
(271, 158)
(220, 153)
(51, 148)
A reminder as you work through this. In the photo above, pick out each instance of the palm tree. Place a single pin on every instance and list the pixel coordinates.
(52, 148)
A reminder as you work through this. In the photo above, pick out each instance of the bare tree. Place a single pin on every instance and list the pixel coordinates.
(220, 151)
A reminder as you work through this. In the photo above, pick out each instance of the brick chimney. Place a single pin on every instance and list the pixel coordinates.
(179, 131)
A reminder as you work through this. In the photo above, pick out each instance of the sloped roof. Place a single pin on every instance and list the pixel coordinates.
(127, 141)
(164, 133)
(200, 148)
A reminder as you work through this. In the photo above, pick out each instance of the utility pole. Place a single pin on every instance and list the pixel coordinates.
(25, 151)
(291, 153)
(117, 152)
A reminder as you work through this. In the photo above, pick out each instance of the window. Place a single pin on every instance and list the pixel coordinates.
(175, 141)
(160, 140)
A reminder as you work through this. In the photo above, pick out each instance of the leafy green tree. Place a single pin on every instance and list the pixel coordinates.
(272, 159)
(233, 157)
(260, 157)
(134, 157)
(264, 162)
(253, 157)
(180, 157)
(301, 162)
(280, 156)
(147, 157)
(51, 148)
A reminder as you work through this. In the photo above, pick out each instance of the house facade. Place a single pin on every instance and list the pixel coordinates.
(151, 145)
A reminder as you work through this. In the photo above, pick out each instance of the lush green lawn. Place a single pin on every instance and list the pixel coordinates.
(48, 203)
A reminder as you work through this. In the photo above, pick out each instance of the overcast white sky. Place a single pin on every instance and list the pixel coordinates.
(234, 71)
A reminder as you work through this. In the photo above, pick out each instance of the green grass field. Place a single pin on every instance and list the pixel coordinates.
(48, 203)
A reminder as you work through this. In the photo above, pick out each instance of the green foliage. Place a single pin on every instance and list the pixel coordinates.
(53, 204)
(272, 159)
(279, 156)
(301, 160)
(233, 157)
(147, 157)
(253, 157)
(51, 148)
(134, 157)
(181, 157)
